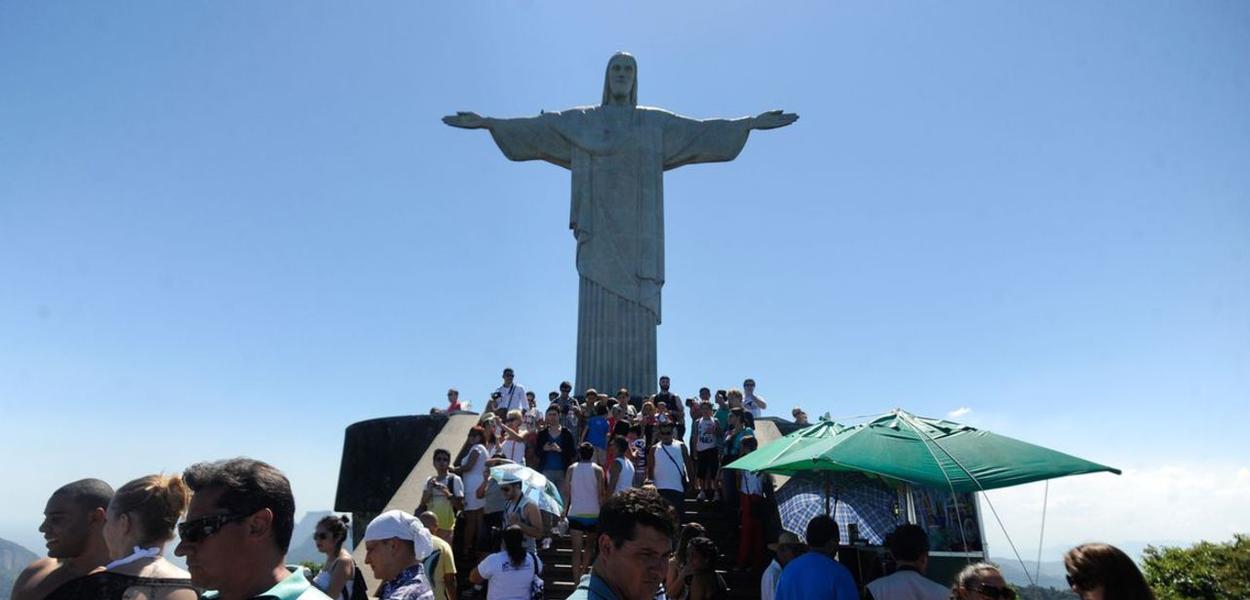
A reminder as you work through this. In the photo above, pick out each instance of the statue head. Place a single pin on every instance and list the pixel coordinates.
(620, 80)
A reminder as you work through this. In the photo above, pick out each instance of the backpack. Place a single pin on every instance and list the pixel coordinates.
(429, 563)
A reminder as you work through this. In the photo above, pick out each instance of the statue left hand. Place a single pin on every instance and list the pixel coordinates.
(773, 119)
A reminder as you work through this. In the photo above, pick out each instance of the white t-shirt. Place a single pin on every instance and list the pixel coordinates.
(751, 484)
(907, 585)
(748, 402)
(508, 582)
(706, 439)
(512, 397)
(768, 581)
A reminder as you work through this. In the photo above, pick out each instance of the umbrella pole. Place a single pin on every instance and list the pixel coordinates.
(826, 476)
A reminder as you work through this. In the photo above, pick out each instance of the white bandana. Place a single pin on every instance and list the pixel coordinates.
(399, 524)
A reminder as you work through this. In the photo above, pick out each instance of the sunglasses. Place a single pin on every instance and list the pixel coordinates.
(198, 530)
(1005, 593)
(321, 535)
(1077, 584)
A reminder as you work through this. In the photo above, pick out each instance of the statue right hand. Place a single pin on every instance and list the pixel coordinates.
(465, 120)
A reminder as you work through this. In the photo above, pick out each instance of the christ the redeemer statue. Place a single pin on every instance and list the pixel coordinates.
(618, 152)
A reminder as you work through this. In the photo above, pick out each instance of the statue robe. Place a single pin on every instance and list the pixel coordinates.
(618, 156)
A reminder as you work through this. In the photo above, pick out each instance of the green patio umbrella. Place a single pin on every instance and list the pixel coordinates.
(918, 450)
(789, 445)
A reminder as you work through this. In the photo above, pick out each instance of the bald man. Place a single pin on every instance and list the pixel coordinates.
(73, 526)
(440, 569)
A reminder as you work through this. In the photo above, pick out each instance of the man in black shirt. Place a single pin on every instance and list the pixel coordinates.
(666, 396)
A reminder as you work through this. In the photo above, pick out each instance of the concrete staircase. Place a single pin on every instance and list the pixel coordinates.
(385, 462)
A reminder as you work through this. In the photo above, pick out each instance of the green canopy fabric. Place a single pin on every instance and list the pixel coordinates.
(791, 444)
(917, 450)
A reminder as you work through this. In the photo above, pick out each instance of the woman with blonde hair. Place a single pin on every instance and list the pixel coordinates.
(514, 432)
(648, 421)
(140, 521)
(981, 581)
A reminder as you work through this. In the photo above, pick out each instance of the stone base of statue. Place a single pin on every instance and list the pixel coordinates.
(616, 345)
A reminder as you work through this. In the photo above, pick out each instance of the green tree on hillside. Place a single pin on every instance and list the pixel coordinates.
(1205, 570)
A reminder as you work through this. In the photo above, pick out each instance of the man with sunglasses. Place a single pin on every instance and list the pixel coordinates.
(570, 408)
(237, 532)
(909, 545)
(453, 401)
(443, 495)
(511, 393)
(521, 511)
(752, 403)
(668, 466)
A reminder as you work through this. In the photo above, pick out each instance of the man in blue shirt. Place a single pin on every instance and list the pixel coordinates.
(816, 575)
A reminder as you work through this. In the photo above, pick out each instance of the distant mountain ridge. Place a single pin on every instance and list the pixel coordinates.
(1053, 574)
(13, 558)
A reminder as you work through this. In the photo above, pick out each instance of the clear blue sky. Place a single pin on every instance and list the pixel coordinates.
(234, 228)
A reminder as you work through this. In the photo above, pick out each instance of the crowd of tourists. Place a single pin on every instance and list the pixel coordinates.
(599, 444)
(234, 521)
(623, 468)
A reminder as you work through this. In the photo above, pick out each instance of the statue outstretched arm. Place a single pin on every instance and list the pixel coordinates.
(522, 138)
(772, 119)
(468, 120)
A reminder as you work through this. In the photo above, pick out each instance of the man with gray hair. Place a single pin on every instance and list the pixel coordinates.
(238, 529)
(909, 546)
(787, 547)
(73, 526)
